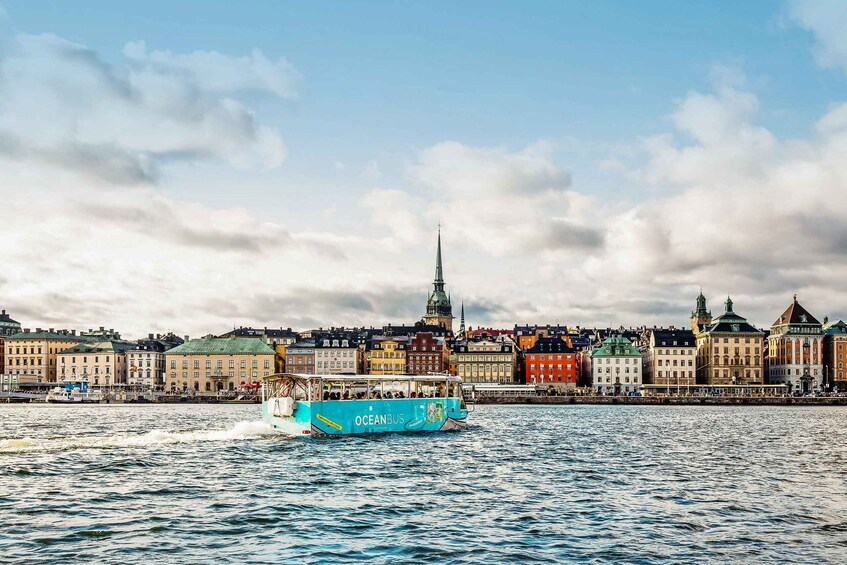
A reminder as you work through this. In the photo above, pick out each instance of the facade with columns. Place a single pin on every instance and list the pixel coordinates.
(729, 349)
(795, 348)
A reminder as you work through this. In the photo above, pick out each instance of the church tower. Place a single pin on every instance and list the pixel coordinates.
(439, 310)
(700, 317)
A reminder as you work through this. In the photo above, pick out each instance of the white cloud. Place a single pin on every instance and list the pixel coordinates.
(729, 206)
(827, 20)
(504, 202)
(372, 171)
(62, 103)
(217, 72)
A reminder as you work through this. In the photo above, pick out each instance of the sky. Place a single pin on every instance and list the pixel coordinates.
(197, 166)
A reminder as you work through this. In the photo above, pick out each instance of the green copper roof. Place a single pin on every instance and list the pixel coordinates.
(835, 327)
(47, 335)
(222, 345)
(111, 346)
(616, 346)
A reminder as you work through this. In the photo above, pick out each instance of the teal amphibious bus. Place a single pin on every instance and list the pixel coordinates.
(300, 405)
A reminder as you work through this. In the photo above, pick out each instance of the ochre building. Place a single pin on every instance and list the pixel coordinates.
(213, 364)
(729, 349)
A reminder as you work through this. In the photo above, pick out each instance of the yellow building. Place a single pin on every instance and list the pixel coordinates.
(212, 364)
(729, 349)
(31, 356)
(386, 356)
(487, 360)
(101, 363)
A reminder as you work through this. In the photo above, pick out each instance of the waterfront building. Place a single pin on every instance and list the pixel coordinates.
(486, 360)
(101, 363)
(729, 349)
(396, 331)
(526, 336)
(386, 356)
(616, 367)
(490, 332)
(551, 361)
(439, 310)
(31, 356)
(276, 338)
(835, 355)
(8, 327)
(212, 364)
(795, 350)
(146, 361)
(670, 357)
(426, 354)
(337, 353)
(300, 357)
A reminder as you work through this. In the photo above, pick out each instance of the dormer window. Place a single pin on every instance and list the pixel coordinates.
(335, 343)
(326, 343)
(344, 343)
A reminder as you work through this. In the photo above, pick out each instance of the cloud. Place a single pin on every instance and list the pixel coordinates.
(743, 212)
(826, 20)
(396, 210)
(64, 106)
(504, 202)
(218, 72)
(191, 225)
(325, 307)
(372, 171)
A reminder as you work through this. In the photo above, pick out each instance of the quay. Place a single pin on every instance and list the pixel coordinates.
(670, 400)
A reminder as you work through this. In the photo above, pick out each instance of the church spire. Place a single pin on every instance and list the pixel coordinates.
(462, 322)
(439, 273)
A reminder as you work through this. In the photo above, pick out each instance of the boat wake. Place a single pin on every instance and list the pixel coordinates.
(240, 431)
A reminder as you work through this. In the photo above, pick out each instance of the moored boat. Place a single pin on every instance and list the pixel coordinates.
(361, 404)
(74, 391)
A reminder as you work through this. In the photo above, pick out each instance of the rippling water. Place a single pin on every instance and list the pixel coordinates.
(191, 484)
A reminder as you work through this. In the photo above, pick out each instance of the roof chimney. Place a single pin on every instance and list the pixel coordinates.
(37, 330)
(150, 336)
(186, 338)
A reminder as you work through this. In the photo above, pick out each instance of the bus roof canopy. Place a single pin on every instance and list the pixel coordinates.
(364, 378)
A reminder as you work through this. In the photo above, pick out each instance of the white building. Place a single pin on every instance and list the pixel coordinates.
(616, 367)
(337, 354)
(795, 348)
(146, 361)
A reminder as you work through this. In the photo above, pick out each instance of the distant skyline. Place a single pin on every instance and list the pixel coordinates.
(192, 167)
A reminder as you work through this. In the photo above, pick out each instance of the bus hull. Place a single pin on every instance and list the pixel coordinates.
(347, 417)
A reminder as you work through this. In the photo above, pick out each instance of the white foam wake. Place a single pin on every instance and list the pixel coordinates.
(240, 431)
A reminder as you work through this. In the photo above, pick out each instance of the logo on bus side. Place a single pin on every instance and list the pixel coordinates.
(379, 419)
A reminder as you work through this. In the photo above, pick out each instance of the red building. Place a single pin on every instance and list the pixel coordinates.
(425, 354)
(552, 362)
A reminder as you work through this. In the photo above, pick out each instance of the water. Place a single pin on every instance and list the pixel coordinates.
(192, 484)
